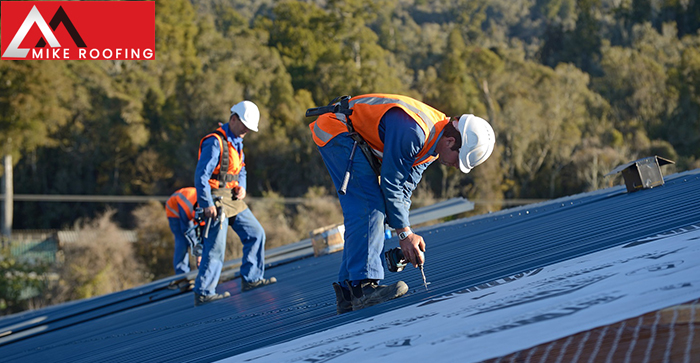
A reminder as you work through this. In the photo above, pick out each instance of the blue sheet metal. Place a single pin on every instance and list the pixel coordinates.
(154, 323)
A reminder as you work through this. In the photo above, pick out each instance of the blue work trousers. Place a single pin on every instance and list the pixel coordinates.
(252, 237)
(363, 211)
(181, 261)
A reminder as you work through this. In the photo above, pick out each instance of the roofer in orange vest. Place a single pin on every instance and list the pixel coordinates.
(221, 175)
(179, 209)
(403, 136)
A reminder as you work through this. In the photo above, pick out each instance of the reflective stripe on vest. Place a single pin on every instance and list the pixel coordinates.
(422, 113)
(185, 199)
(368, 111)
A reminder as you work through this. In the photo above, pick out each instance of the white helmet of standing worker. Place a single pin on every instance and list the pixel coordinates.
(249, 114)
(478, 140)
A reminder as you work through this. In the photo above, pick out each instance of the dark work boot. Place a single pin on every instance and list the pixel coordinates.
(183, 285)
(203, 299)
(247, 286)
(370, 293)
(342, 299)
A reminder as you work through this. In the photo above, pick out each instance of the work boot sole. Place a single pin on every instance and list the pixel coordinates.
(200, 300)
(247, 286)
(379, 295)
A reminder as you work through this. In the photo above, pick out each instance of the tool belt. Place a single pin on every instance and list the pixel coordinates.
(341, 105)
(230, 205)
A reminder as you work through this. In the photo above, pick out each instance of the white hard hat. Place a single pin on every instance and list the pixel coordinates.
(248, 113)
(478, 140)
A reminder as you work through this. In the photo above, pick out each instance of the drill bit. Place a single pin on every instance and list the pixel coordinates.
(423, 274)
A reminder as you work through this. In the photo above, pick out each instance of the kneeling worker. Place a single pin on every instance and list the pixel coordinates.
(179, 209)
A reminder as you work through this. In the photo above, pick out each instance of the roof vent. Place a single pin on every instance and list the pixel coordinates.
(644, 173)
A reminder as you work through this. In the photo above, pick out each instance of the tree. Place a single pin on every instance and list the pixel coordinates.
(299, 31)
(637, 82)
(28, 113)
(683, 126)
(544, 114)
(458, 91)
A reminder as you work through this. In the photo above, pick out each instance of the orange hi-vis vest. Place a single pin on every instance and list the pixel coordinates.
(367, 112)
(230, 161)
(186, 198)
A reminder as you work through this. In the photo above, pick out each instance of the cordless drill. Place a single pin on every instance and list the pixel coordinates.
(196, 230)
(396, 261)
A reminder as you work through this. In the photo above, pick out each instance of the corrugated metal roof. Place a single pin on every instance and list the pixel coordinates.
(154, 323)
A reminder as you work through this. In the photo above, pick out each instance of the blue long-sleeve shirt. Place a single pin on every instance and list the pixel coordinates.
(403, 139)
(209, 159)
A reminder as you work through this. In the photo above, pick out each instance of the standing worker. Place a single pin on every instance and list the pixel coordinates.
(221, 173)
(179, 209)
(401, 137)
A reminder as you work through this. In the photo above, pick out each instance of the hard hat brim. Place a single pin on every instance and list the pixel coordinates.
(463, 150)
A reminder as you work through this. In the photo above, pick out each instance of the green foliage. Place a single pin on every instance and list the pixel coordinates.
(578, 44)
(28, 113)
(458, 91)
(683, 125)
(544, 117)
(300, 33)
(557, 11)
(572, 87)
(23, 283)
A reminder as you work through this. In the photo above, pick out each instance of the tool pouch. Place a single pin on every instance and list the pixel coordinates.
(230, 206)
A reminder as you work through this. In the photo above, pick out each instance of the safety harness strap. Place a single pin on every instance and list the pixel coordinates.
(341, 108)
(223, 176)
(374, 162)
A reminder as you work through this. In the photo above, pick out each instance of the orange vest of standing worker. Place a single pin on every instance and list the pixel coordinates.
(367, 112)
(234, 164)
(186, 199)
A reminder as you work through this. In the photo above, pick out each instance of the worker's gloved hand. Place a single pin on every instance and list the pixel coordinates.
(413, 247)
(210, 212)
(238, 192)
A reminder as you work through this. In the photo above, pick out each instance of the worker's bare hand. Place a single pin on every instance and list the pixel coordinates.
(413, 247)
(239, 192)
(210, 212)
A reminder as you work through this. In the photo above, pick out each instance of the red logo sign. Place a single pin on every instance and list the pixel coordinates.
(62, 30)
